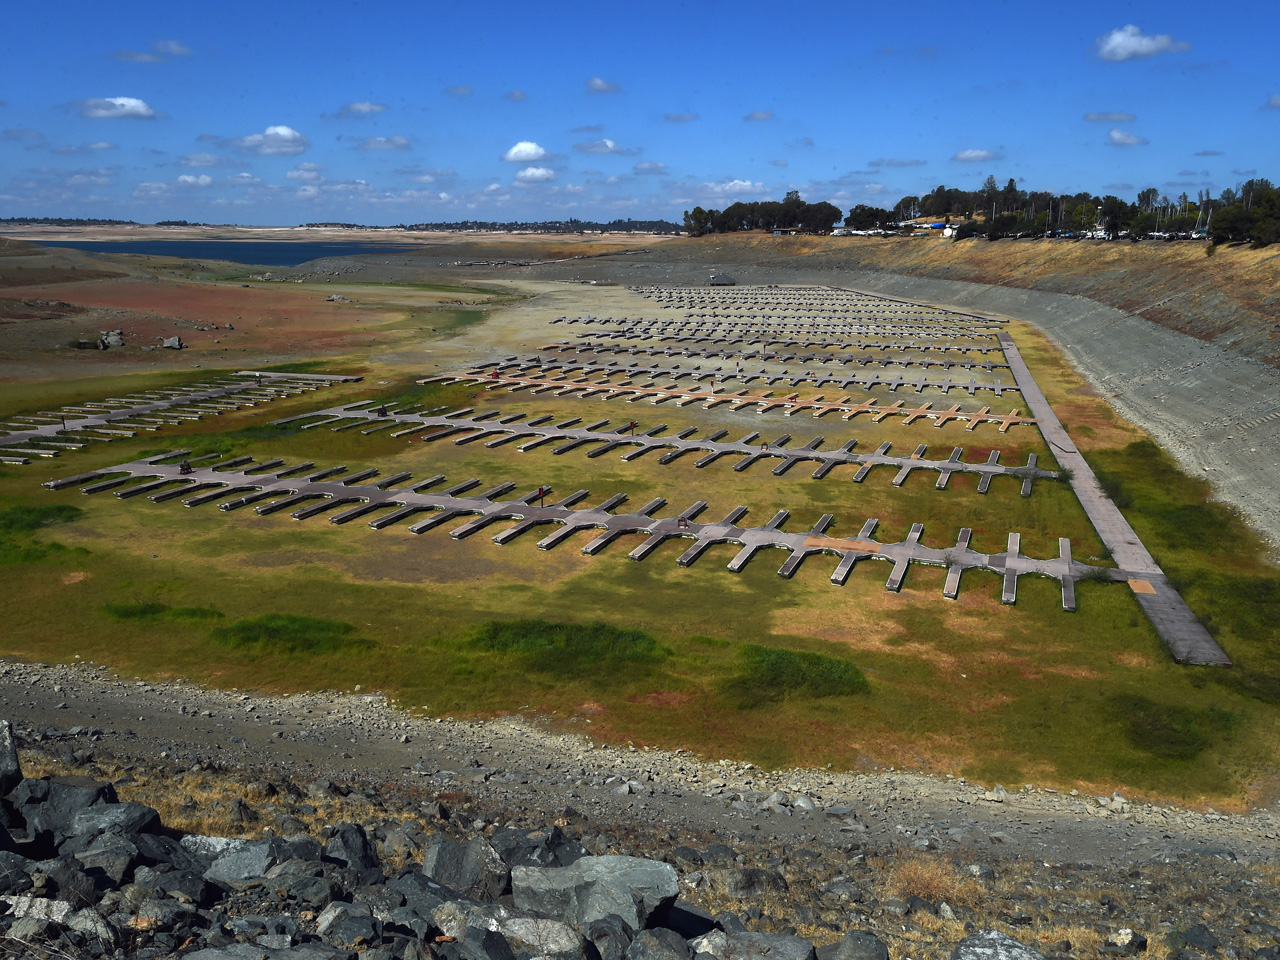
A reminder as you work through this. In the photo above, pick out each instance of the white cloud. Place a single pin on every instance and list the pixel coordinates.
(277, 141)
(602, 146)
(361, 108)
(137, 56)
(203, 180)
(1110, 116)
(600, 85)
(680, 117)
(516, 95)
(99, 145)
(651, 167)
(525, 151)
(1273, 101)
(756, 115)
(493, 188)
(896, 162)
(306, 171)
(112, 108)
(307, 192)
(244, 180)
(199, 160)
(150, 191)
(1130, 43)
(383, 143)
(536, 175)
(1125, 138)
(172, 48)
(733, 187)
(975, 156)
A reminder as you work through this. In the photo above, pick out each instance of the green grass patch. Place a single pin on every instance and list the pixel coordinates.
(767, 675)
(570, 649)
(26, 519)
(1171, 731)
(286, 633)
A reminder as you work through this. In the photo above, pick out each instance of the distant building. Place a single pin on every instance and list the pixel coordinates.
(723, 280)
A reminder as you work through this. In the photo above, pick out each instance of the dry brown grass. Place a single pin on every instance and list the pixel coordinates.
(936, 879)
(205, 802)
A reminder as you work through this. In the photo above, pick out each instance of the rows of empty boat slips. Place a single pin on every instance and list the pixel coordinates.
(240, 482)
(709, 398)
(46, 433)
(923, 359)
(565, 369)
(493, 429)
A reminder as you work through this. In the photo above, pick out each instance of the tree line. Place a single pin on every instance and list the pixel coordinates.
(67, 222)
(1249, 213)
(790, 213)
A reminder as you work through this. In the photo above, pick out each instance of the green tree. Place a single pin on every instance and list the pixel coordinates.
(819, 217)
(1113, 215)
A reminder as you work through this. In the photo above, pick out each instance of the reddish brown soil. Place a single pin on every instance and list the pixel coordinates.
(270, 322)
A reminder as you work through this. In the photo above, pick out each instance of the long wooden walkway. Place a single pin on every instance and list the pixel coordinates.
(1185, 636)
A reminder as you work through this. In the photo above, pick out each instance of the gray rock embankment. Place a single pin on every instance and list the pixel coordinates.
(83, 873)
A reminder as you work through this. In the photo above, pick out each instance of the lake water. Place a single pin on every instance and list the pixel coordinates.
(267, 253)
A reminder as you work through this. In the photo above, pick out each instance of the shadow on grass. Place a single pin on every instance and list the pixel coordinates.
(767, 675)
(1171, 731)
(151, 610)
(286, 633)
(571, 649)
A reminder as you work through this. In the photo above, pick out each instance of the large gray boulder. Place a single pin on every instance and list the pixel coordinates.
(611, 936)
(350, 847)
(10, 768)
(475, 870)
(544, 938)
(993, 945)
(857, 945)
(659, 944)
(537, 848)
(241, 866)
(595, 887)
(123, 819)
(14, 877)
(49, 805)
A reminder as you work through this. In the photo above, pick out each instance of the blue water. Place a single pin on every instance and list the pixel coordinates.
(267, 253)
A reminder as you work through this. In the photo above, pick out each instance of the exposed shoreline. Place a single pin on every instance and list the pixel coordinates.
(520, 762)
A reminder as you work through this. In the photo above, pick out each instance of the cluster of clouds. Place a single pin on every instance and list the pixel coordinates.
(536, 165)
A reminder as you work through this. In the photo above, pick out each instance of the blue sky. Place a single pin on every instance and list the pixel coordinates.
(283, 113)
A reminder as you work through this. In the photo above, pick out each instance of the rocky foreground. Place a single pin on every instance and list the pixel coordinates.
(112, 848)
